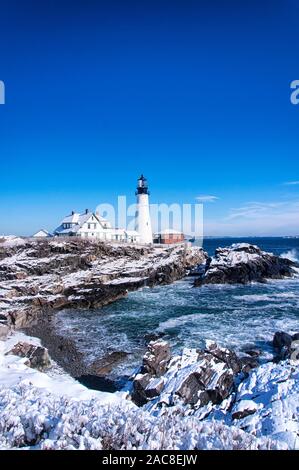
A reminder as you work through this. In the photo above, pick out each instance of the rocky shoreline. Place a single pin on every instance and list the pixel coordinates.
(65, 352)
(38, 277)
(231, 402)
(41, 277)
(61, 349)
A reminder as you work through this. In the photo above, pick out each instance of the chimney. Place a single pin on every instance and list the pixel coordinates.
(86, 211)
(73, 212)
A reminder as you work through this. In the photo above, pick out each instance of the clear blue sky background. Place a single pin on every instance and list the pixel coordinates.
(194, 94)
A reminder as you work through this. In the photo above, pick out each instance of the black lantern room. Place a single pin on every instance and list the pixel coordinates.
(142, 186)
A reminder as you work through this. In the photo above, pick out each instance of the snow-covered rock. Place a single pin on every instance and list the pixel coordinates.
(243, 263)
(11, 241)
(271, 393)
(46, 275)
(211, 385)
(196, 377)
(36, 356)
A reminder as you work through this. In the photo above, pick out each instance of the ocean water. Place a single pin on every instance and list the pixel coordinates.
(240, 317)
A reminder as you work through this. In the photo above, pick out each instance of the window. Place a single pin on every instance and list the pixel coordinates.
(88, 226)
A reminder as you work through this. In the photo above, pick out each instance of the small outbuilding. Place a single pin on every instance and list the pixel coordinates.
(169, 236)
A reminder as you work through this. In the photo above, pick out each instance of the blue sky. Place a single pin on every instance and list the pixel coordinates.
(194, 94)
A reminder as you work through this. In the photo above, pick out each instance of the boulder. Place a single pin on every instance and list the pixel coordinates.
(227, 356)
(37, 356)
(286, 345)
(281, 340)
(248, 363)
(192, 390)
(154, 365)
(154, 388)
(156, 358)
(140, 383)
(253, 352)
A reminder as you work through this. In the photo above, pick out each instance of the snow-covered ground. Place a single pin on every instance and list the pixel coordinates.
(14, 372)
(52, 411)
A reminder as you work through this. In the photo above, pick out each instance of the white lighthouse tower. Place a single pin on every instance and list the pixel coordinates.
(143, 219)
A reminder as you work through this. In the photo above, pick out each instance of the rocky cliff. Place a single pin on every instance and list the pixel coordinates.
(38, 276)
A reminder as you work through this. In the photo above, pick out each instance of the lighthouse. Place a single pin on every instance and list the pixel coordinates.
(143, 219)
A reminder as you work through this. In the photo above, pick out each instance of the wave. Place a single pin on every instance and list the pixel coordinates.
(179, 321)
(266, 297)
(291, 255)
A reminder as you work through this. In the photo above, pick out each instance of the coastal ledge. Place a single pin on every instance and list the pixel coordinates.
(243, 263)
(38, 277)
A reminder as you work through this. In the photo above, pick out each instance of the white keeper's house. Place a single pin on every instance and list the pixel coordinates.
(92, 225)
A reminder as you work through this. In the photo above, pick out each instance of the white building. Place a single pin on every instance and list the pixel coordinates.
(92, 225)
(143, 219)
(42, 234)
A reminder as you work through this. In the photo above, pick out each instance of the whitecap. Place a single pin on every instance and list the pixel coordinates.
(291, 255)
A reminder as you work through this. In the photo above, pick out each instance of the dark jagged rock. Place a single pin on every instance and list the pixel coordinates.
(156, 359)
(248, 363)
(193, 378)
(281, 340)
(153, 336)
(37, 356)
(224, 355)
(104, 366)
(154, 365)
(253, 352)
(286, 345)
(244, 263)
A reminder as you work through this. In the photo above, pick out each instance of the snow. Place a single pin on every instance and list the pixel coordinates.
(126, 280)
(11, 241)
(232, 258)
(13, 372)
(43, 421)
(274, 388)
(246, 406)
